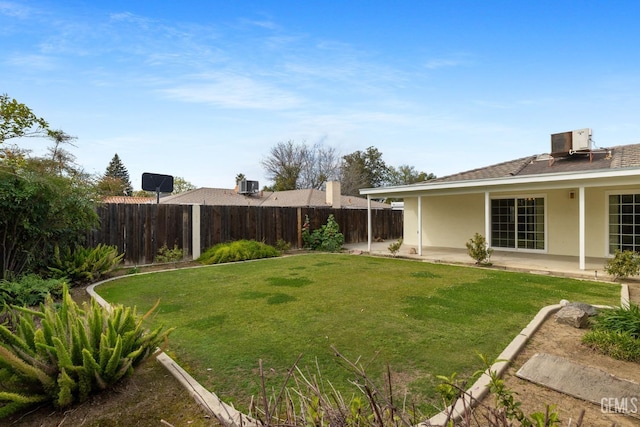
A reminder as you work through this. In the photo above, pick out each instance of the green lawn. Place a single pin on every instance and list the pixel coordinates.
(421, 319)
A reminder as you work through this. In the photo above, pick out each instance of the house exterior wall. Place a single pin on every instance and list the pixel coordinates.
(450, 221)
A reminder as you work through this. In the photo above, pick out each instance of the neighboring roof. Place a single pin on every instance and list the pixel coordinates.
(128, 199)
(292, 198)
(622, 160)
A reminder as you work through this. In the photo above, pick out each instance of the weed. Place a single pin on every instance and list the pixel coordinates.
(168, 255)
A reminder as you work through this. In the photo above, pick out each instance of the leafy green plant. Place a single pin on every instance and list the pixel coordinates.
(29, 290)
(240, 250)
(395, 247)
(616, 333)
(326, 238)
(283, 245)
(168, 255)
(619, 319)
(623, 264)
(479, 250)
(62, 353)
(616, 344)
(83, 265)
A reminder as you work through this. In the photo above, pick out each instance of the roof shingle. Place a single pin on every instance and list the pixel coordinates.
(618, 157)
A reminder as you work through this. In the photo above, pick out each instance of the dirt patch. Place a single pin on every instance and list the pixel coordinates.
(150, 397)
(563, 340)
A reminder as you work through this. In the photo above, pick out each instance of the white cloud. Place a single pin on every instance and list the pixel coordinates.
(234, 91)
(31, 62)
(454, 60)
(14, 10)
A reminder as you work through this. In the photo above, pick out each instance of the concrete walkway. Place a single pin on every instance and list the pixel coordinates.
(518, 261)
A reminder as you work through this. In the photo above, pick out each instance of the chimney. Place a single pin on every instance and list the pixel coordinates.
(333, 194)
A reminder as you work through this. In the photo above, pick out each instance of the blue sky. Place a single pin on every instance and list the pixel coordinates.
(203, 89)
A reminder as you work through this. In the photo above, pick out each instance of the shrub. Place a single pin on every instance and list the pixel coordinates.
(623, 264)
(29, 290)
(479, 250)
(327, 238)
(395, 247)
(619, 319)
(169, 255)
(240, 250)
(62, 354)
(283, 245)
(616, 333)
(84, 265)
(616, 344)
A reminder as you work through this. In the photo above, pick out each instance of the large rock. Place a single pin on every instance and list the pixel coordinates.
(573, 316)
(587, 308)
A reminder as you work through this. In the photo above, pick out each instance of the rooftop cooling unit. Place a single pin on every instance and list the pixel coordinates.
(569, 142)
(248, 187)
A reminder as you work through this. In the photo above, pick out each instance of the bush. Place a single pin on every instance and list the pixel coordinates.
(479, 250)
(619, 319)
(623, 264)
(616, 344)
(327, 238)
(62, 354)
(29, 290)
(283, 245)
(84, 265)
(395, 247)
(240, 250)
(169, 255)
(616, 333)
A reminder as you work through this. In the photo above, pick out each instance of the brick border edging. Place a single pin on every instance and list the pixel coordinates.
(230, 416)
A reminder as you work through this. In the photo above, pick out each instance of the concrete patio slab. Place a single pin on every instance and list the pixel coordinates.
(593, 385)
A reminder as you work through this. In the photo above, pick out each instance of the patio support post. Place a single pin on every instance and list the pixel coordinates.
(195, 231)
(581, 225)
(420, 225)
(369, 223)
(487, 216)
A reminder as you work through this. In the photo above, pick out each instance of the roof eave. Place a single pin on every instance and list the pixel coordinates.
(502, 181)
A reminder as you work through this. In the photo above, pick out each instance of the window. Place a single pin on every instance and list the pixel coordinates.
(518, 223)
(624, 222)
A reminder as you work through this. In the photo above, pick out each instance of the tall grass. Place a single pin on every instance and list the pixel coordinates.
(419, 319)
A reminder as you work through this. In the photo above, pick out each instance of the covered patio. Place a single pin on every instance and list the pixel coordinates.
(517, 261)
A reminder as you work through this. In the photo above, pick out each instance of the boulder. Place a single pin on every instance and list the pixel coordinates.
(587, 308)
(573, 316)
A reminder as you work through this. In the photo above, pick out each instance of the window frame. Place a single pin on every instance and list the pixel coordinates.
(607, 228)
(515, 198)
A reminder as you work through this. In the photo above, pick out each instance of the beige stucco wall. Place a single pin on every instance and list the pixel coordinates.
(450, 221)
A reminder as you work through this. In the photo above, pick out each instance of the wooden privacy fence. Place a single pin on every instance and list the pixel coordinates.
(140, 230)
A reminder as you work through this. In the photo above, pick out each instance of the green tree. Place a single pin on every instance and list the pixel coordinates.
(180, 185)
(115, 181)
(17, 120)
(44, 202)
(405, 174)
(363, 170)
(39, 210)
